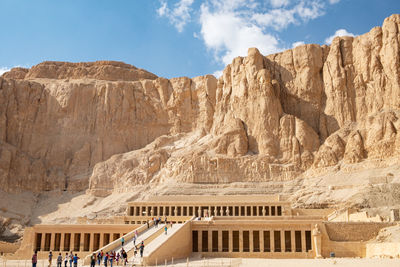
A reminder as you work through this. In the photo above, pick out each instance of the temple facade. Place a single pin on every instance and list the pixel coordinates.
(209, 226)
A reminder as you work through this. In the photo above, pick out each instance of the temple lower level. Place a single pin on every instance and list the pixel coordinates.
(210, 226)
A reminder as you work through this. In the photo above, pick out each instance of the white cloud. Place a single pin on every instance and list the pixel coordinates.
(229, 34)
(279, 3)
(229, 28)
(340, 32)
(295, 44)
(179, 15)
(280, 18)
(333, 1)
(3, 70)
(218, 73)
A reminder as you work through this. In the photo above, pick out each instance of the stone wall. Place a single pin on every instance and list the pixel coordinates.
(353, 231)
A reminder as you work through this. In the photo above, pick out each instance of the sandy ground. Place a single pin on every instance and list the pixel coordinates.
(227, 262)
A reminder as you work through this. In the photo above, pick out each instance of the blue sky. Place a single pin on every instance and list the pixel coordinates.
(178, 37)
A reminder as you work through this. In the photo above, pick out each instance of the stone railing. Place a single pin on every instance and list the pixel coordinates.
(116, 243)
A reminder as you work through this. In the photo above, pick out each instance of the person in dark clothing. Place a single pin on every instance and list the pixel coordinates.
(141, 249)
(93, 260)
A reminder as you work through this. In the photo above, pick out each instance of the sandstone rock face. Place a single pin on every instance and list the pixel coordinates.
(108, 126)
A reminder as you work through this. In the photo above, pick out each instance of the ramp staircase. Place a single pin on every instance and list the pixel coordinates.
(159, 247)
(145, 234)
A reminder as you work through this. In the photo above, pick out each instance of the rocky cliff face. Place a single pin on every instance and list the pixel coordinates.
(109, 127)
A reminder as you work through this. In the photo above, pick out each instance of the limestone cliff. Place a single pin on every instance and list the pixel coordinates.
(110, 127)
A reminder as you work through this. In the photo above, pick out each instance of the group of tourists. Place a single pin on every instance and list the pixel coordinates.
(69, 258)
(157, 221)
(109, 257)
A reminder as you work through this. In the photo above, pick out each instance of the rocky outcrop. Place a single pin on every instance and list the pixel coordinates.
(100, 70)
(108, 126)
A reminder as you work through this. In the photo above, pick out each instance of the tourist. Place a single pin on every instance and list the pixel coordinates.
(134, 240)
(135, 252)
(99, 258)
(34, 259)
(141, 249)
(148, 226)
(106, 259)
(165, 229)
(50, 258)
(170, 224)
(59, 260)
(93, 260)
(112, 255)
(122, 241)
(76, 258)
(66, 259)
(165, 220)
(117, 258)
(125, 257)
(71, 258)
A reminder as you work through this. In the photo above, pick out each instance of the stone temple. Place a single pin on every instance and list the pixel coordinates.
(213, 226)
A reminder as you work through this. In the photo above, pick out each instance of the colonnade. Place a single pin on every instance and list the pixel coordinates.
(206, 211)
(76, 241)
(273, 241)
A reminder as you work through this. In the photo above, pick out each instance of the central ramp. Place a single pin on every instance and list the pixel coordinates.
(176, 242)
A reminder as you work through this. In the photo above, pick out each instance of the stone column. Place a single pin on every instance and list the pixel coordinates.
(251, 245)
(200, 241)
(216, 211)
(175, 210)
(219, 240)
(209, 233)
(53, 241)
(91, 243)
(199, 212)
(42, 242)
(283, 244)
(82, 244)
(71, 242)
(272, 240)
(209, 211)
(227, 211)
(221, 211)
(102, 239)
(263, 211)
(316, 236)
(303, 241)
(261, 238)
(240, 240)
(62, 242)
(230, 241)
(293, 237)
